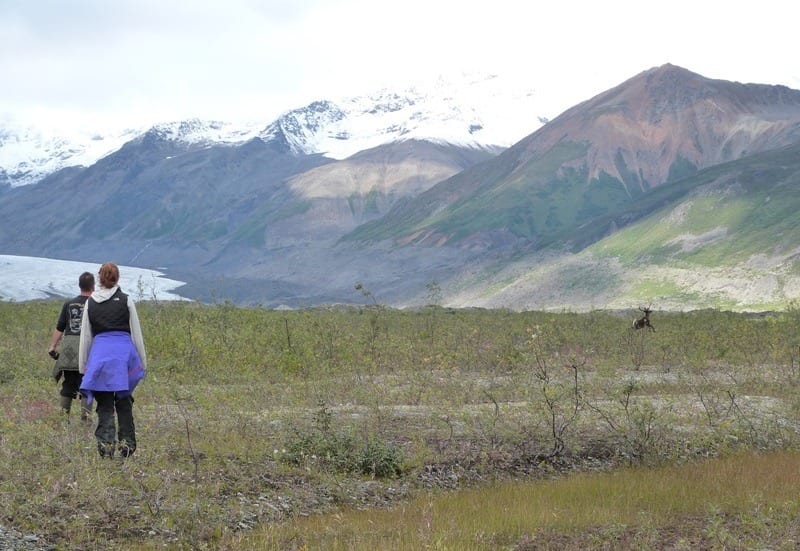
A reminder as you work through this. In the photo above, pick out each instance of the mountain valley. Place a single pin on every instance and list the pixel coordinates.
(671, 189)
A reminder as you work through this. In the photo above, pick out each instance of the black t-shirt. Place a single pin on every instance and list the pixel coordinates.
(69, 321)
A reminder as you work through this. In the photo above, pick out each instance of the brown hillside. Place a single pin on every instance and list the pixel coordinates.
(640, 130)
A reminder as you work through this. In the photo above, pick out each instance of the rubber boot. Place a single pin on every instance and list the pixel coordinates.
(106, 430)
(66, 404)
(86, 410)
(126, 436)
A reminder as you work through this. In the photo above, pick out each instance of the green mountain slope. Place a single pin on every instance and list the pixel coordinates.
(736, 211)
(597, 166)
(729, 237)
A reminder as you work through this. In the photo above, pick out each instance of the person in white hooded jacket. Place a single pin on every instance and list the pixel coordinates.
(113, 361)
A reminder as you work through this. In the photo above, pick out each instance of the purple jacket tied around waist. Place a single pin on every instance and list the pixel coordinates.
(113, 365)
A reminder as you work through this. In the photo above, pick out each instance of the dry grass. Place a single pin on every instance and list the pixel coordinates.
(584, 510)
(234, 418)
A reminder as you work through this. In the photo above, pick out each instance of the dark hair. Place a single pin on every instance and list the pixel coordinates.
(86, 282)
(109, 275)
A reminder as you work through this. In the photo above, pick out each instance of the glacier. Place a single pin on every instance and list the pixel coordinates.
(24, 278)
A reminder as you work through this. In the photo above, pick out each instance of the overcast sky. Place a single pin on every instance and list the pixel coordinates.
(127, 61)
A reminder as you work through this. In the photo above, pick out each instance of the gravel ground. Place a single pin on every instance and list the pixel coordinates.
(11, 540)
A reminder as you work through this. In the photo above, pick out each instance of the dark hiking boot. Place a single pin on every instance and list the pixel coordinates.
(105, 449)
(126, 450)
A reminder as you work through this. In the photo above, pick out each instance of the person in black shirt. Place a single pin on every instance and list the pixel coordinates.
(67, 332)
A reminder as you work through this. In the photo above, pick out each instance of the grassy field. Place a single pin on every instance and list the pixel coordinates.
(746, 501)
(356, 428)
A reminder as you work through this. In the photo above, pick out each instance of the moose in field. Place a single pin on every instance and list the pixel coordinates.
(644, 321)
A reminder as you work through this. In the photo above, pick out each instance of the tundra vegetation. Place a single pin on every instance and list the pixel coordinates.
(372, 428)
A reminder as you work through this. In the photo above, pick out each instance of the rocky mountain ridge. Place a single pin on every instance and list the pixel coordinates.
(597, 158)
(468, 111)
(556, 220)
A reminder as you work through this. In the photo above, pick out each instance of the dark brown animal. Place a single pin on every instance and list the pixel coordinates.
(644, 321)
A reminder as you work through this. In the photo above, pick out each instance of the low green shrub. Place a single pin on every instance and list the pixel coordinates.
(340, 449)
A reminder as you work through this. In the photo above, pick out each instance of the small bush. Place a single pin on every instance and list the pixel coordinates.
(342, 452)
(325, 447)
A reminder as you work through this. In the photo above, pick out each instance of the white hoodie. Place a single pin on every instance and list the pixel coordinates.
(101, 294)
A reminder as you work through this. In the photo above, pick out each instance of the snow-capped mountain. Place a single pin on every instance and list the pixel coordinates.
(486, 111)
(470, 111)
(28, 153)
(200, 132)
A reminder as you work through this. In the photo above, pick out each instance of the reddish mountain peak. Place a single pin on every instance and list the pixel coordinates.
(664, 87)
(670, 73)
(641, 130)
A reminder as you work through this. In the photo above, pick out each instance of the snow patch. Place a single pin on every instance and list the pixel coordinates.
(24, 278)
(689, 242)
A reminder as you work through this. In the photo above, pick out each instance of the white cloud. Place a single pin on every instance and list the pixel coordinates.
(134, 60)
